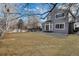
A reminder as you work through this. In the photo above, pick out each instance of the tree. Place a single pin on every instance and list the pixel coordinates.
(72, 8)
(2, 27)
(20, 24)
(33, 23)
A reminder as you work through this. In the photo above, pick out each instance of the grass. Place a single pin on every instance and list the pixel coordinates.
(34, 44)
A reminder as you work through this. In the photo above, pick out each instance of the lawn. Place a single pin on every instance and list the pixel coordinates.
(36, 44)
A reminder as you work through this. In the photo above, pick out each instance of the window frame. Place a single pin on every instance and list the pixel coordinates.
(46, 25)
(59, 17)
(50, 26)
(59, 26)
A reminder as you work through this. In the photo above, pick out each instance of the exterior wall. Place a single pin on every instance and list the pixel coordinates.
(65, 30)
(43, 27)
(60, 20)
(51, 27)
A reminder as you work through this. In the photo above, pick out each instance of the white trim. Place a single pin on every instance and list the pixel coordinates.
(45, 26)
(59, 17)
(51, 29)
(60, 28)
(49, 26)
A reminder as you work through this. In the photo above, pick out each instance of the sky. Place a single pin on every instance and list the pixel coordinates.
(36, 8)
(28, 9)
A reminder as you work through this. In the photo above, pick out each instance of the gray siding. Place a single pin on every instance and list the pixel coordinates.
(43, 27)
(65, 31)
(60, 20)
(55, 20)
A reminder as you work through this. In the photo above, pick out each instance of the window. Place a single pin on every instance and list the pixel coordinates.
(47, 27)
(60, 15)
(60, 26)
(57, 25)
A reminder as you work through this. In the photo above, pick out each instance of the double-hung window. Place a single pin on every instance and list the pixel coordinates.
(60, 26)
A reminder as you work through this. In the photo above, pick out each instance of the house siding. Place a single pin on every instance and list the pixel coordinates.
(43, 27)
(65, 30)
(61, 20)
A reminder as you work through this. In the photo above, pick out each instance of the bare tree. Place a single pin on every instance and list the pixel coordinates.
(20, 24)
(33, 23)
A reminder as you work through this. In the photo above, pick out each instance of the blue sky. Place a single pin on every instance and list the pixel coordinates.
(36, 8)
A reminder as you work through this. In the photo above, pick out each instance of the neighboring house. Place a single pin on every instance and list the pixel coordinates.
(59, 21)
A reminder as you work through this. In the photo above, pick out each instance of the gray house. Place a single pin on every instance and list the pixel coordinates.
(59, 21)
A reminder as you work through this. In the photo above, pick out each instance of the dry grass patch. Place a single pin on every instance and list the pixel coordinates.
(33, 43)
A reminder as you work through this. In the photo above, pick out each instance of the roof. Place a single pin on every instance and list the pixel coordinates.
(47, 21)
